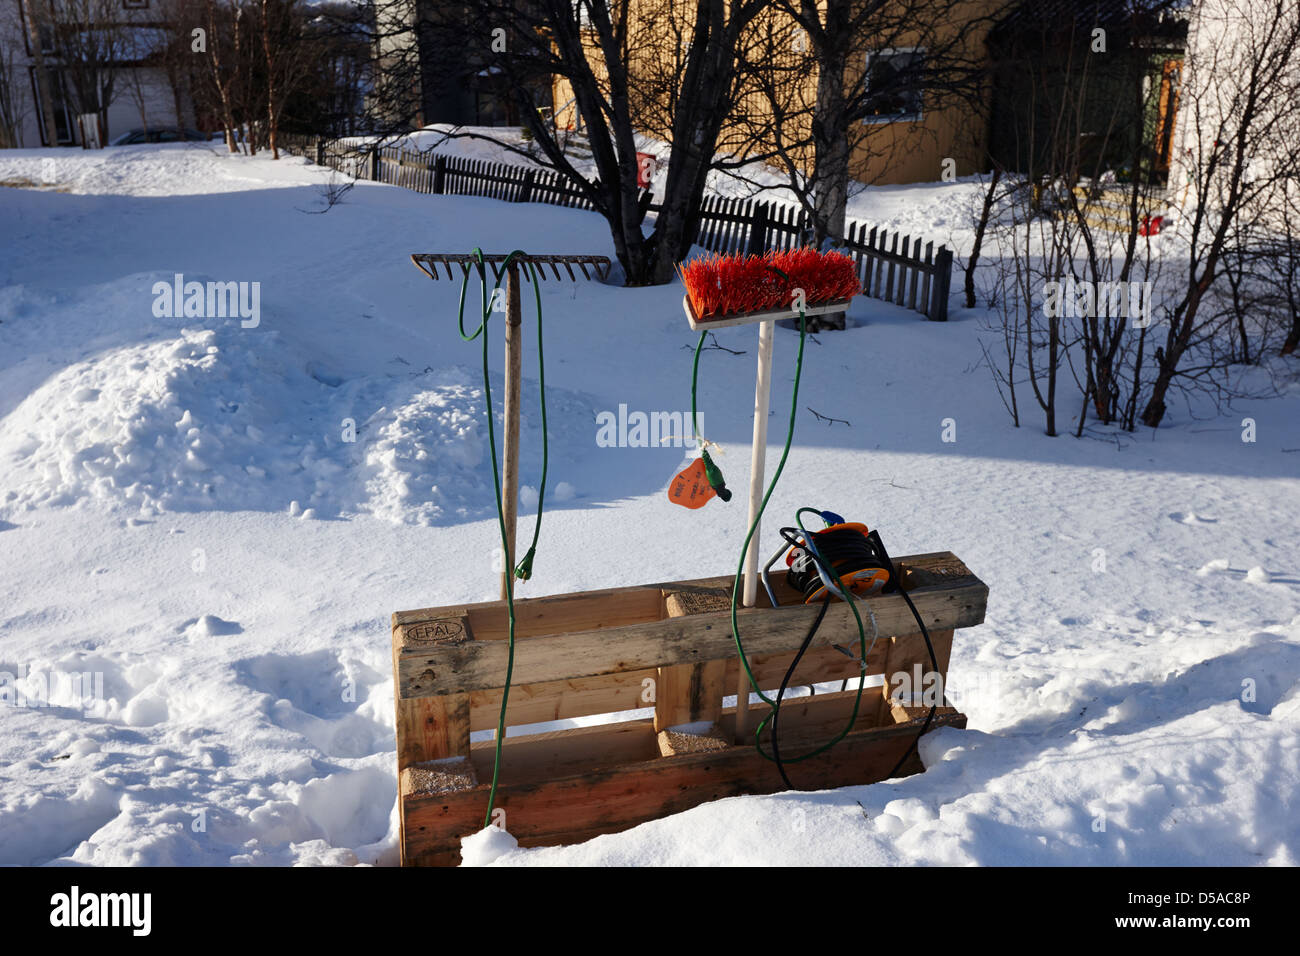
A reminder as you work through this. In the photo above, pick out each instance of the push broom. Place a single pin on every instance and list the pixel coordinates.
(729, 290)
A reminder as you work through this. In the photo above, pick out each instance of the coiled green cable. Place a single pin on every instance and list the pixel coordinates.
(740, 569)
(524, 569)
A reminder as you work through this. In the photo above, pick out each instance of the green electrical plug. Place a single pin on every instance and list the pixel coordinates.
(716, 481)
(524, 571)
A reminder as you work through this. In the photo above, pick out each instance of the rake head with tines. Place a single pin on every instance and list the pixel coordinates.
(428, 262)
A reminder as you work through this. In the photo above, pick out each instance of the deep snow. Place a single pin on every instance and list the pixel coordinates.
(180, 512)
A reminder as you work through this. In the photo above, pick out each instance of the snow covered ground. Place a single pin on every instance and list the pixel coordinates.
(181, 513)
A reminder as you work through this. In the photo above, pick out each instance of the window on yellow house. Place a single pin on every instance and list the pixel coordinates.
(894, 88)
(582, 9)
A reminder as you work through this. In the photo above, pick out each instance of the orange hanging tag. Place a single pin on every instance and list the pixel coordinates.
(690, 487)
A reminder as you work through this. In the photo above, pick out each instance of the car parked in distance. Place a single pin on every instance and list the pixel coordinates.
(159, 134)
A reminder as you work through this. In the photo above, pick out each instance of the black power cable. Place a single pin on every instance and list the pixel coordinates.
(846, 550)
(785, 683)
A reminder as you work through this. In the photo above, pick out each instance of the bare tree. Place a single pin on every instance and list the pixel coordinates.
(226, 41)
(93, 42)
(603, 57)
(183, 59)
(14, 100)
(1078, 273)
(289, 52)
(39, 28)
(1239, 97)
(843, 87)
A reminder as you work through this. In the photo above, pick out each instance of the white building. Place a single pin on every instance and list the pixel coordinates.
(125, 34)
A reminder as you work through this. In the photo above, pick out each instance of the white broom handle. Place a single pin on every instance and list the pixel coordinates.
(757, 461)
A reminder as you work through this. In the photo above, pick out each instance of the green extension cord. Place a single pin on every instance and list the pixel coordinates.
(740, 569)
(524, 569)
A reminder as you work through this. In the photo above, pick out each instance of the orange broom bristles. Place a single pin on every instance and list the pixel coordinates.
(720, 285)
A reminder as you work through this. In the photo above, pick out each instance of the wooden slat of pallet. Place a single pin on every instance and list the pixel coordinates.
(607, 607)
(902, 654)
(455, 666)
(535, 703)
(559, 810)
(541, 756)
(688, 693)
(823, 664)
(612, 607)
(431, 728)
(537, 757)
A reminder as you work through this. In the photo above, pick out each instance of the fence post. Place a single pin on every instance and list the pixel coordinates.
(526, 190)
(439, 174)
(757, 231)
(320, 151)
(374, 164)
(942, 282)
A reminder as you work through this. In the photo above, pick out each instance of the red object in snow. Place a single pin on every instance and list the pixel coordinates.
(721, 286)
(1151, 225)
(645, 169)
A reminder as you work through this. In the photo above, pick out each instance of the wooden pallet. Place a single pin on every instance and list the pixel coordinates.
(667, 647)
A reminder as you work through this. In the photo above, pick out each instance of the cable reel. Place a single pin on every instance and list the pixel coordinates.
(853, 552)
(847, 552)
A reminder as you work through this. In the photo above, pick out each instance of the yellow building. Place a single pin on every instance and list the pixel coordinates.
(933, 127)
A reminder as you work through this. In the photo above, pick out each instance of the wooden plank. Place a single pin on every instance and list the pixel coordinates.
(902, 273)
(908, 665)
(929, 279)
(881, 242)
(688, 694)
(871, 288)
(942, 280)
(431, 728)
(559, 810)
(740, 210)
(536, 703)
(607, 607)
(613, 607)
(916, 273)
(791, 228)
(461, 666)
(546, 616)
(537, 757)
(889, 280)
(820, 665)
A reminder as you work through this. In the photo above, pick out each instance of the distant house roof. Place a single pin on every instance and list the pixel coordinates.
(134, 44)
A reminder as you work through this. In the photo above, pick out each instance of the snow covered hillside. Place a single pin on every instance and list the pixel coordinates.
(182, 512)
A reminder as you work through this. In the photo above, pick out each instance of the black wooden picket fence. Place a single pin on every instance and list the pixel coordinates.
(892, 267)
